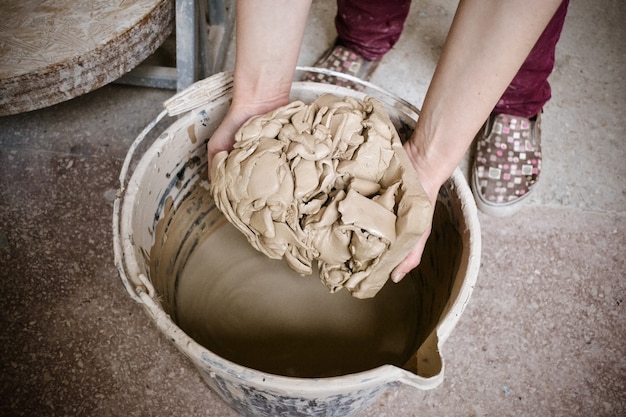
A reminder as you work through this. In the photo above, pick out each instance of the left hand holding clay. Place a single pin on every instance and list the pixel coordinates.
(413, 259)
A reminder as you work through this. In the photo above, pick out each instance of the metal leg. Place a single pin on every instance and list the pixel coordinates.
(221, 20)
(186, 43)
(203, 32)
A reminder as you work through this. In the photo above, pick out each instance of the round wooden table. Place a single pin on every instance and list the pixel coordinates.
(54, 50)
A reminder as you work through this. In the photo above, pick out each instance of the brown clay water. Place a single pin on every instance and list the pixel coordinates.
(260, 314)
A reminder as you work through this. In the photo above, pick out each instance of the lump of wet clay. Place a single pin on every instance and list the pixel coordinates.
(326, 182)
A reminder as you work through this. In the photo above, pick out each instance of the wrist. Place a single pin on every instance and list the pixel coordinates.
(261, 86)
(430, 170)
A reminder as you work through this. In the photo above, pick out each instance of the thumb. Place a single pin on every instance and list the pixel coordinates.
(412, 260)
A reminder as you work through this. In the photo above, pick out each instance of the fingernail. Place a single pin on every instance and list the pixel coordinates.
(397, 276)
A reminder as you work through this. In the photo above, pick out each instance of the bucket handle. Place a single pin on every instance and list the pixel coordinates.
(200, 93)
(117, 206)
(209, 89)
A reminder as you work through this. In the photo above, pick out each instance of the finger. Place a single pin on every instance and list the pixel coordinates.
(222, 140)
(411, 261)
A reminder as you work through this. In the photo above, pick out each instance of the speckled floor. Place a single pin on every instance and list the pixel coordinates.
(544, 333)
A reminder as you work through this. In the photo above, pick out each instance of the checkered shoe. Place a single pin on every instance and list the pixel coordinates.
(341, 59)
(507, 163)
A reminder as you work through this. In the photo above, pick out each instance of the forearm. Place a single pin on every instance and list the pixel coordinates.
(487, 43)
(269, 36)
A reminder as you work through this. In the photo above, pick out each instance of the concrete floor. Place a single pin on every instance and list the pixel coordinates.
(544, 333)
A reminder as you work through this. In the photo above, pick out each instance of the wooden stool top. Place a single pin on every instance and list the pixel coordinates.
(54, 50)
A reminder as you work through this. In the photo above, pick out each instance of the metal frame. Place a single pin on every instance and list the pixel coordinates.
(203, 33)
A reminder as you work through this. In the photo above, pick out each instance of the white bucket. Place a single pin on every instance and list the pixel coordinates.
(165, 195)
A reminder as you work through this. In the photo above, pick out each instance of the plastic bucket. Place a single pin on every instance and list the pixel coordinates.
(163, 219)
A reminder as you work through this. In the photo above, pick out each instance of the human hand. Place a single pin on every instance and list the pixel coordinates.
(413, 259)
(223, 138)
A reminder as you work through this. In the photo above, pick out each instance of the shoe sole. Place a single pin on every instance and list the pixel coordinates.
(498, 210)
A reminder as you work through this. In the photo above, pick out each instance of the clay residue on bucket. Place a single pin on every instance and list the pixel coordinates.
(260, 314)
(326, 182)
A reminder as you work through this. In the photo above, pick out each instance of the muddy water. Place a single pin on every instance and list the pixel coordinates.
(260, 314)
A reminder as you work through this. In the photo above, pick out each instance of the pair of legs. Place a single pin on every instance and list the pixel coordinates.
(508, 154)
